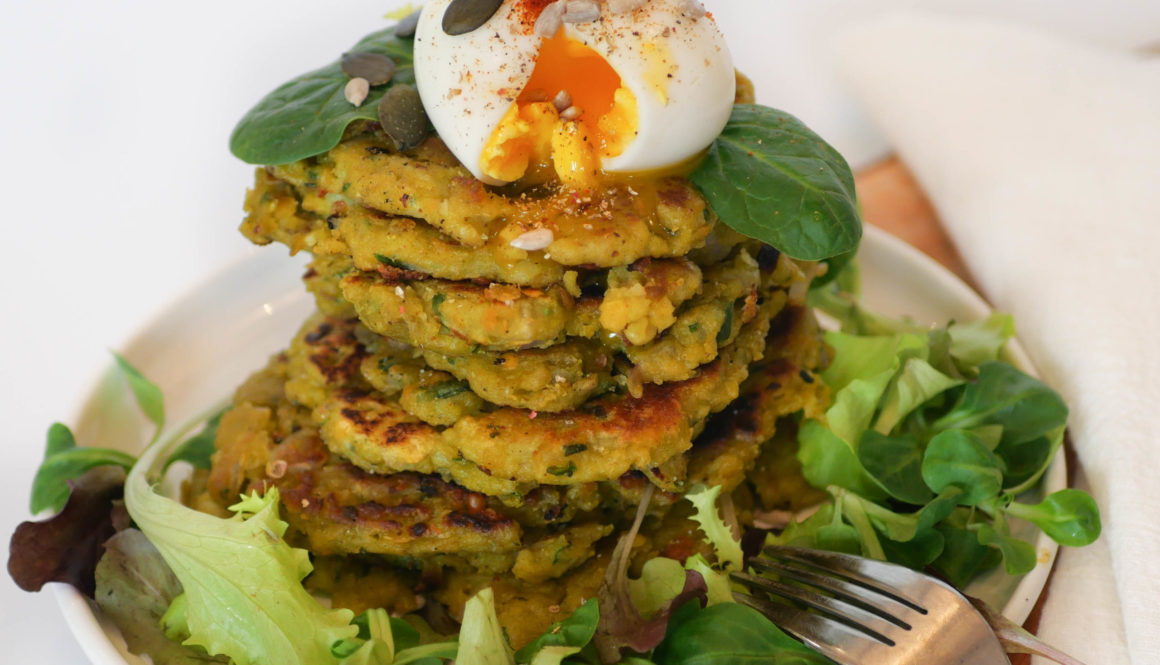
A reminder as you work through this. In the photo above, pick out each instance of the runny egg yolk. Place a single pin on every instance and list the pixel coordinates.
(533, 140)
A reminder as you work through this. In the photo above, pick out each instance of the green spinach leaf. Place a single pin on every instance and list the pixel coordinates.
(731, 634)
(770, 177)
(308, 115)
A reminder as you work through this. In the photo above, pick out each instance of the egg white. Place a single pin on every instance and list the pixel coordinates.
(677, 66)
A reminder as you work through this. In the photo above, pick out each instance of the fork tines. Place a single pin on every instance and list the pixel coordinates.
(858, 611)
(849, 599)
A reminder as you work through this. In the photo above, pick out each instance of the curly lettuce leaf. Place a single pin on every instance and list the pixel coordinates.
(717, 532)
(719, 590)
(242, 581)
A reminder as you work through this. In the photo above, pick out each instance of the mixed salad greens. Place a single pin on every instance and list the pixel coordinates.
(930, 441)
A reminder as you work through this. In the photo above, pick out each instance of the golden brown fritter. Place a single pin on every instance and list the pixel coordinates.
(563, 376)
(603, 233)
(461, 318)
(502, 451)
(615, 225)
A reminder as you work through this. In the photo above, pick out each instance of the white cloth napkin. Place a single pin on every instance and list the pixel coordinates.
(1042, 157)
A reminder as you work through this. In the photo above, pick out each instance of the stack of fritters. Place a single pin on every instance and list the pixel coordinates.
(494, 376)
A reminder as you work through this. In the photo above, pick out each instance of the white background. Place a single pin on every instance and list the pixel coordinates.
(120, 192)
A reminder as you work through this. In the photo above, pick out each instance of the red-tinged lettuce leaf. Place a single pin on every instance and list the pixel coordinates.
(621, 624)
(135, 588)
(66, 547)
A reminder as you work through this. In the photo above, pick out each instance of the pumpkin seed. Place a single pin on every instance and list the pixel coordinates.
(377, 69)
(406, 27)
(402, 116)
(464, 16)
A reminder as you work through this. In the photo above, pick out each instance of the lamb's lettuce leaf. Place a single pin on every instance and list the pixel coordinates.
(730, 634)
(481, 637)
(929, 441)
(575, 631)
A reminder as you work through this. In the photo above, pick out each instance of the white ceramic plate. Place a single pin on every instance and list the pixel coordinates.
(204, 345)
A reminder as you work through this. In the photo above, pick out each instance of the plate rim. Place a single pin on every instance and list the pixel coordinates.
(100, 642)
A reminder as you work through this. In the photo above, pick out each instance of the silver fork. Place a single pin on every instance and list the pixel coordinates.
(866, 612)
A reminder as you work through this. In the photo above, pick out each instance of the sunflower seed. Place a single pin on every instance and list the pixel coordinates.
(581, 11)
(562, 100)
(464, 16)
(402, 116)
(533, 241)
(550, 21)
(377, 69)
(405, 28)
(625, 6)
(356, 90)
(571, 113)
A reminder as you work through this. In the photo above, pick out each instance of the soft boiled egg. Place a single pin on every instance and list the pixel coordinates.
(642, 86)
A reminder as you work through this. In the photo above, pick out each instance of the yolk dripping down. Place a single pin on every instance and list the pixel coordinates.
(532, 139)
